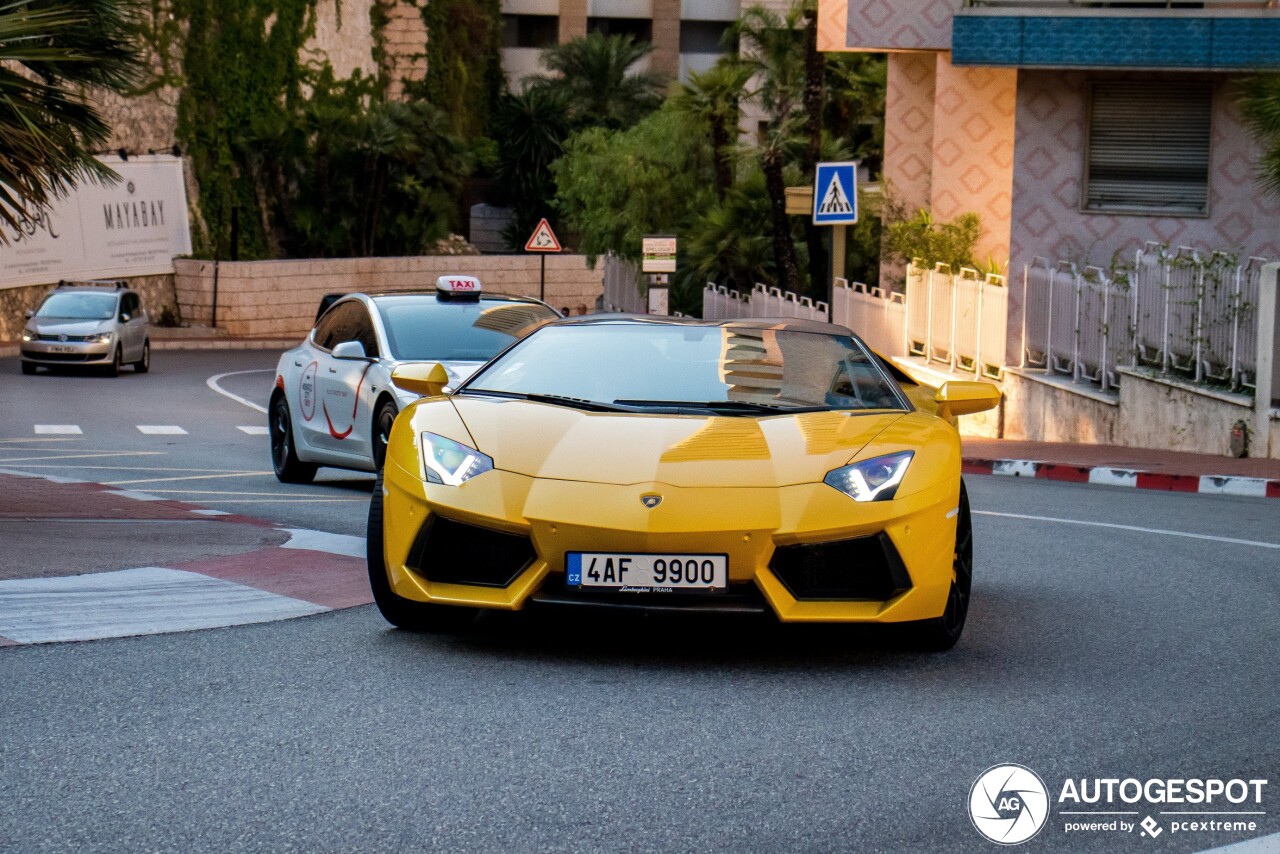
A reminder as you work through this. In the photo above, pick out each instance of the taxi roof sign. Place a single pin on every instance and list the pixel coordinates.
(458, 287)
(543, 239)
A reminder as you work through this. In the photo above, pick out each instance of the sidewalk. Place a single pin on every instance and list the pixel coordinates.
(1110, 465)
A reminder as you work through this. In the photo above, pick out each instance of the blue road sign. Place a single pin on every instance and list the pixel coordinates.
(835, 194)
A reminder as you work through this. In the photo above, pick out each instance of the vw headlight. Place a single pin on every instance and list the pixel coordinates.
(28, 335)
(452, 463)
(875, 479)
(104, 338)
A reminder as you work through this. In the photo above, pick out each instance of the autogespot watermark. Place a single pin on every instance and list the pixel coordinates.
(1009, 804)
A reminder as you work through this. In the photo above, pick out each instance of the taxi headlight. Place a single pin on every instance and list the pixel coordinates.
(452, 463)
(875, 479)
(27, 335)
(104, 338)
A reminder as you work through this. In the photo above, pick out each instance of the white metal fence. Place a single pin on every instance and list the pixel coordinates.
(1179, 311)
(622, 288)
(720, 303)
(955, 319)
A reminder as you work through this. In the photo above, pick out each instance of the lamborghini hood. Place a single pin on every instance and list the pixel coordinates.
(556, 442)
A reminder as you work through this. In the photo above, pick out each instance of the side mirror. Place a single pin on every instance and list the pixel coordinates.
(29, 313)
(425, 380)
(965, 398)
(125, 317)
(352, 350)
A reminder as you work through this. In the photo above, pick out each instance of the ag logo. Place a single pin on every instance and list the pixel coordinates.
(1008, 804)
(307, 392)
(651, 499)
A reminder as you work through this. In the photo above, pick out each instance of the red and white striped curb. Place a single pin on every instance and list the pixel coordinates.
(1209, 484)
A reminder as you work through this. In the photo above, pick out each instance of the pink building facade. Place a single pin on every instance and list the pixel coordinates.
(1076, 134)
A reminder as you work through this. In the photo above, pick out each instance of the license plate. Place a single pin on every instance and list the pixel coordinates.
(658, 573)
(56, 349)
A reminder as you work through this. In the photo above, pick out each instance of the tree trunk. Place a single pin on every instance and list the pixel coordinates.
(814, 82)
(784, 249)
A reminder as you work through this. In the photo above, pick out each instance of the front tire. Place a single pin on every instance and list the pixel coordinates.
(144, 364)
(382, 422)
(117, 359)
(28, 368)
(941, 633)
(284, 453)
(400, 612)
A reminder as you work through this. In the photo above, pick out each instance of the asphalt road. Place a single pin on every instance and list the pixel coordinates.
(1139, 644)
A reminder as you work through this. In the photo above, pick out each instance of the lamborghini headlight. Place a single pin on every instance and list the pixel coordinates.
(452, 463)
(875, 479)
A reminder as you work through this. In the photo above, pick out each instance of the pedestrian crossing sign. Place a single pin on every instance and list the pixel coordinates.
(835, 194)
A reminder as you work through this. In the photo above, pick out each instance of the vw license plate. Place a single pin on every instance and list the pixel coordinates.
(659, 573)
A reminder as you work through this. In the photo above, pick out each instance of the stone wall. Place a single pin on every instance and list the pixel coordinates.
(157, 294)
(279, 298)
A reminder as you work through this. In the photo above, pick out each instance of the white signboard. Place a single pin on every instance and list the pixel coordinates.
(658, 254)
(132, 228)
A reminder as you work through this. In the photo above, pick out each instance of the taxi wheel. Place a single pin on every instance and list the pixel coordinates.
(28, 368)
(144, 364)
(382, 422)
(400, 612)
(941, 634)
(284, 454)
(113, 370)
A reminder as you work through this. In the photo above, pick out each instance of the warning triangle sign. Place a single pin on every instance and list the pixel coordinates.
(543, 239)
(836, 202)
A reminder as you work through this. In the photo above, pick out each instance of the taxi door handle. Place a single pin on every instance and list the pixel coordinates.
(333, 370)
(297, 364)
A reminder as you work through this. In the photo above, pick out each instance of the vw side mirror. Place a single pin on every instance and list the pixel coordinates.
(29, 313)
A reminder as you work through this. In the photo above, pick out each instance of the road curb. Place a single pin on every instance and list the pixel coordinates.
(176, 344)
(313, 572)
(1248, 487)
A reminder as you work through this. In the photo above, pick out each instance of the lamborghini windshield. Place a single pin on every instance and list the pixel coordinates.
(642, 366)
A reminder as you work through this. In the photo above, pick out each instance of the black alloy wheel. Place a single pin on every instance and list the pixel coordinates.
(941, 633)
(284, 453)
(404, 613)
(382, 422)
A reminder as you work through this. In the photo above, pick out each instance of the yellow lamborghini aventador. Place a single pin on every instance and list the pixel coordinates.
(622, 461)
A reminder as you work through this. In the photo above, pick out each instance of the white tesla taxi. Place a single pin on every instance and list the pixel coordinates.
(333, 402)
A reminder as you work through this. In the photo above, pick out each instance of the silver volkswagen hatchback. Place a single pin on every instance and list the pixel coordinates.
(95, 323)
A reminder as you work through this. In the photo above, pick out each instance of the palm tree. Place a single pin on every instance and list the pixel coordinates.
(51, 51)
(713, 97)
(594, 77)
(774, 51)
(1260, 103)
(530, 128)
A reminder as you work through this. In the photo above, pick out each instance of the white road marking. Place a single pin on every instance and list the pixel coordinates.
(1262, 845)
(145, 601)
(189, 477)
(90, 456)
(1160, 531)
(58, 430)
(253, 429)
(160, 430)
(212, 383)
(136, 496)
(322, 541)
(32, 441)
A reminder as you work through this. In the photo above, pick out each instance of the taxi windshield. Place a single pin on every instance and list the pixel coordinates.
(723, 369)
(429, 329)
(69, 305)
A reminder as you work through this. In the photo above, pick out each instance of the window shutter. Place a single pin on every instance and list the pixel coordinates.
(1149, 147)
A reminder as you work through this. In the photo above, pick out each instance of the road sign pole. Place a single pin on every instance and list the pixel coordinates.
(838, 234)
(542, 278)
